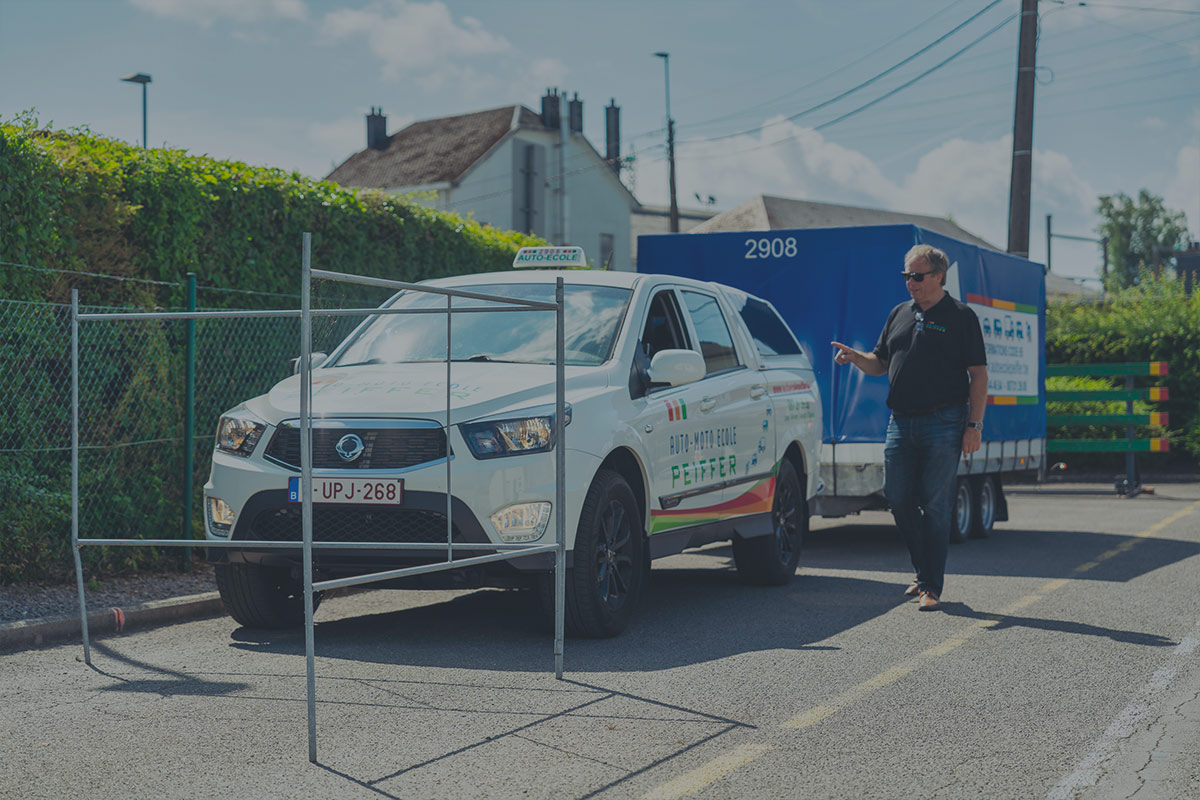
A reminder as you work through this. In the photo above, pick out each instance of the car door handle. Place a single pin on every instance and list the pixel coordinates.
(708, 403)
(758, 390)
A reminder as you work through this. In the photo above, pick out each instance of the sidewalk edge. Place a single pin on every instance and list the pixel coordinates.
(30, 633)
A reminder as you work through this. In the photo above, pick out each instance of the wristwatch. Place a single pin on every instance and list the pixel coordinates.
(976, 425)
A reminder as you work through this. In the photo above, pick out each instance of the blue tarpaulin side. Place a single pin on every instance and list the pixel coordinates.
(838, 284)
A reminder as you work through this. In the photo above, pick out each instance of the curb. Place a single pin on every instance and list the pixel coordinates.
(30, 633)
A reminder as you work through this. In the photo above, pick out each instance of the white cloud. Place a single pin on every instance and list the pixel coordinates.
(426, 44)
(1183, 190)
(414, 37)
(1154, 123)
(206, 12)
(964, 179)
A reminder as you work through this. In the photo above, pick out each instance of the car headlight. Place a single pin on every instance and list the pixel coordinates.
(238, 435)
(511, 437)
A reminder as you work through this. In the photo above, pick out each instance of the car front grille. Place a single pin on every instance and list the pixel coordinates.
(353, 524)
(383, 447)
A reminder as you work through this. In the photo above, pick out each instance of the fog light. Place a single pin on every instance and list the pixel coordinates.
(220, 516)
(523, 522)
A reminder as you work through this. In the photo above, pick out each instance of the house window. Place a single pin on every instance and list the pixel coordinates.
(606, 251)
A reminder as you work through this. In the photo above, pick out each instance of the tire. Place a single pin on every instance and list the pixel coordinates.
(962, 518)
(604, 583)
(262, 597)
(985, 498)
(771, 560)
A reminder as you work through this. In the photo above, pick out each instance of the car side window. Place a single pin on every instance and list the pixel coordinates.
(664, 328)
(771, 336)
(716, 343)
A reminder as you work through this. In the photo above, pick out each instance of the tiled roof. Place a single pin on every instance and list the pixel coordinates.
(764, 213)
(434, 150)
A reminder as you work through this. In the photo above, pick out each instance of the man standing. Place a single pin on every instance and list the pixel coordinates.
(932, 351)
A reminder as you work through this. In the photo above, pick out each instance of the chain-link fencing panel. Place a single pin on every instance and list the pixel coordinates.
(132, 381)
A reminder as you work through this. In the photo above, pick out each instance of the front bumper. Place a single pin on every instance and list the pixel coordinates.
(255, 489)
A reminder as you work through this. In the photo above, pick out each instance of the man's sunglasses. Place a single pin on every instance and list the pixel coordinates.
(914, 276)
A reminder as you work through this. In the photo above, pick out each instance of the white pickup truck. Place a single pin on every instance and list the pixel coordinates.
(693, 417)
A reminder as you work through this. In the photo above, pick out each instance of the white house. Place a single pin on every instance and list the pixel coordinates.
(510, 168)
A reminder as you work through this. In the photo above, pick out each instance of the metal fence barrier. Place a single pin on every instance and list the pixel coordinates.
(1131, 444)
(306, 314)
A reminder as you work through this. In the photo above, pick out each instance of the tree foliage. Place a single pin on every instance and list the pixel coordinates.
(1138, 232)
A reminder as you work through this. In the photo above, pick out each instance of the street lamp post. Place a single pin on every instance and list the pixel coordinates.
(143, 79)
(666, 57)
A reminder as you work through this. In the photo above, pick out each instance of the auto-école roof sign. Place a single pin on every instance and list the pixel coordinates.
(550, 257)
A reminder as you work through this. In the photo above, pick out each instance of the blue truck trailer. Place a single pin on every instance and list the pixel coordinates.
(838, 284)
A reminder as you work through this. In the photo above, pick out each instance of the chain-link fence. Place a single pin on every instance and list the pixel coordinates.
(132, 421)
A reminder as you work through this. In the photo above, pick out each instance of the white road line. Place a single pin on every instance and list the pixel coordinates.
(1090, 769)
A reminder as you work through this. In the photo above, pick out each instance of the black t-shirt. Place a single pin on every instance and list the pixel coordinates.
(927, 364)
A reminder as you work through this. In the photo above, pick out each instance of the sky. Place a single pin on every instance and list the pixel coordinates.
(901, 105)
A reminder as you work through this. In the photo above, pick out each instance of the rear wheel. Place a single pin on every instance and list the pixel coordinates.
(262, 597)
(962, 520)
(771, 560)
(986, 498)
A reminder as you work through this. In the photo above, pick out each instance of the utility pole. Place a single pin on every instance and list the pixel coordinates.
(666, 57)
(1022, 154)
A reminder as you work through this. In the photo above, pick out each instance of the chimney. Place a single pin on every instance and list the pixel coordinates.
(377, 138)
(612, 127)
(575, 113)
(550, 109)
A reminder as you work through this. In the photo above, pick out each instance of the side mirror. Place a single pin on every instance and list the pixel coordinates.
(676, 367)
(317, 360)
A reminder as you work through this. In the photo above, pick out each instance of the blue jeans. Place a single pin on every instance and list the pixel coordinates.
(920, 467)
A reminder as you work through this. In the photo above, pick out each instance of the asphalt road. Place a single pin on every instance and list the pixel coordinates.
(1065, 664)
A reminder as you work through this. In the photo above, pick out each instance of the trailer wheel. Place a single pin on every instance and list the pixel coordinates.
(985, 497)
(962, 521)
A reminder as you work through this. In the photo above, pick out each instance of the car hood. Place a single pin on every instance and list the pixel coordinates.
(419, 390)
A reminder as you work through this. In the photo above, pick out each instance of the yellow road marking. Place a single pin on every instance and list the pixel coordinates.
(811, 717)
(697, 779)
(705, 775)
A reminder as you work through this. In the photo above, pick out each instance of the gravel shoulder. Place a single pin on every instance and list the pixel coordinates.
(37, 601)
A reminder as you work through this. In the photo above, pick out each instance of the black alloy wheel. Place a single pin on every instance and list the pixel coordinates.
(608, 572)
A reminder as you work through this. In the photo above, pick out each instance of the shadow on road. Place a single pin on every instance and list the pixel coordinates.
(1007, 552)
(173, 681)
(688, 616)
(1058, 626)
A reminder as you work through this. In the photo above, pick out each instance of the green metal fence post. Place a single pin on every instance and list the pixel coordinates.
(189, 421)
(1132, 484)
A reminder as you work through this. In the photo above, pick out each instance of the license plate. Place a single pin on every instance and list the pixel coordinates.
(359, 491)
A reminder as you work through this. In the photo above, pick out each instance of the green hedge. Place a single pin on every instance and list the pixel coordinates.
(76, 201)
(72, 202)
(1153, 321)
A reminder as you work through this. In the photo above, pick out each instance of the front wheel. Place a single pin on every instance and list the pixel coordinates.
(771, 560)
(262, 597)
(605, 581)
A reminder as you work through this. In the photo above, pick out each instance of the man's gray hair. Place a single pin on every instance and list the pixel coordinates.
(936, 259)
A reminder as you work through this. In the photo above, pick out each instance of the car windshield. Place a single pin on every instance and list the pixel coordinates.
(593, 316)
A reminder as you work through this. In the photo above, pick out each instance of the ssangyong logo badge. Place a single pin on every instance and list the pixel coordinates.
(349, 447)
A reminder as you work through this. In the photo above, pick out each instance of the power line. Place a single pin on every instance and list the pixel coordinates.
(829, 75)
(906, 84)
(877, 100)
(865, 83)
